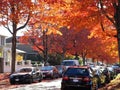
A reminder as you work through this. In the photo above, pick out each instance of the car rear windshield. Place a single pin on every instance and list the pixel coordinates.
(77, 71)
(68, 63)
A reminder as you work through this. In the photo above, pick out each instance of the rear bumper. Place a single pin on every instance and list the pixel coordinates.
(65, 85)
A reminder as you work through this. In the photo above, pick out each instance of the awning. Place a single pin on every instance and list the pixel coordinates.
(20, 51)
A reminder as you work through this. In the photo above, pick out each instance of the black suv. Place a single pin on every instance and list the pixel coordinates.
(79, 77)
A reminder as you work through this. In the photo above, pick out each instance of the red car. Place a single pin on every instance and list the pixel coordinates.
(49, 72)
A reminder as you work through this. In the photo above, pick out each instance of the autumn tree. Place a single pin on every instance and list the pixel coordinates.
(15, 14)
(89, 14)
(109, 9)
(48, 18)
(63, 43)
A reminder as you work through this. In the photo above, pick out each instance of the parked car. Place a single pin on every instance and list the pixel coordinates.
(61, 69)
(68, 63)
(116, 68)
(26, 75)
(79, 77)
(49, 72)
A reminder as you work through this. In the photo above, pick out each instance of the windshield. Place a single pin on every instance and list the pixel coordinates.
(46, 68)
(68, 63)
(77, 72)
(25, 70)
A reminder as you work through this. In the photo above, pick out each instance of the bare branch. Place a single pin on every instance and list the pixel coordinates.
(103, 11)
(39, 47)
(102, 26)
(25, 23)
(7, 27)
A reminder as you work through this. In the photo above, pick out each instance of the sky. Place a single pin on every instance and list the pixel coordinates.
(5, 32)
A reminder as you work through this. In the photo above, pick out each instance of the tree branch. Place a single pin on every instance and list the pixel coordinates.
(7, 27)
(103, 11)
(25, 23)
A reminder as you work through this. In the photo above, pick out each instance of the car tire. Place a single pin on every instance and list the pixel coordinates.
(30, 81)
(64, 88)
(12, 82)
(53, 76)
(40, 79)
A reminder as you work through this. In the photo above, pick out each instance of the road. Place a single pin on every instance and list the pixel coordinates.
(44, 85)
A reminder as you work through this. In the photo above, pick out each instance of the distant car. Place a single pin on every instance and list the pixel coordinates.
(61, 69)
(26, 75)
(116, 68)
(79, 77)
(68, 63)
(49, 72)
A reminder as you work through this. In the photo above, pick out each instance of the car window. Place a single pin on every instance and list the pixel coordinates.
(77, 71)
(25, 70)
(66, 63)
(47, 68)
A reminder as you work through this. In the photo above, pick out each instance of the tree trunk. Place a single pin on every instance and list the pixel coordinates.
(117, 25)
(45, 52)
(93, 60)
(76, 56)
(13, 48)
(118, 40)
(83, 57)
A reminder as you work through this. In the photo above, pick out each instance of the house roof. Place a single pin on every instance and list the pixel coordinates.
(27, 48)
(9, 39)
(20, 51)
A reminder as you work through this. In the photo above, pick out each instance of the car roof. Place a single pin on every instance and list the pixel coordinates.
(84, 67)
(70, 60)
(27, 67)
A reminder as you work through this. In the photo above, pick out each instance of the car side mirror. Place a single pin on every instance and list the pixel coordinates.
(33, 72)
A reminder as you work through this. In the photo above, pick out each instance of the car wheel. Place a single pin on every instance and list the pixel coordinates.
(30, 80)
(63, 88)
(12, 82)
(53, 76)
(40, 79)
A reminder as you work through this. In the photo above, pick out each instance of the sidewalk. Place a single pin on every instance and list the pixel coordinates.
(4, 80)
(4, 76)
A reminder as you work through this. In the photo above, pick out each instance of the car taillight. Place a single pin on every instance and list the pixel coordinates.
(65, 78)
(86, 79)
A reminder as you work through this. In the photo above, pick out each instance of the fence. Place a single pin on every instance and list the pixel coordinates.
(7, 65)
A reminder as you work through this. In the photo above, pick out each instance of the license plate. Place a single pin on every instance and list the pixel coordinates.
(16, 79)
(75, 80)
